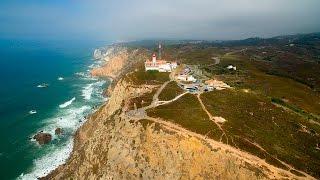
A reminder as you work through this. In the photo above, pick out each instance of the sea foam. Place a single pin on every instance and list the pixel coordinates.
(89, 89)
(68, 103)
(49, 162)
(68, 120)
(70, 116)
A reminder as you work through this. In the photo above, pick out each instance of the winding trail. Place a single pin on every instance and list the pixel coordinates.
(156, 95)
(212, 118)
(272, 171)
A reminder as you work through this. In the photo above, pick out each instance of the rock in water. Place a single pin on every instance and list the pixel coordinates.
(58, 131)
(42, 138)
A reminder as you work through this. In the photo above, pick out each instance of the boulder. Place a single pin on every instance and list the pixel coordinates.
(42, 138)
(58, 131)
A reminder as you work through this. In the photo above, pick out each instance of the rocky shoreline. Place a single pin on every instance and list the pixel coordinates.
(113, 55)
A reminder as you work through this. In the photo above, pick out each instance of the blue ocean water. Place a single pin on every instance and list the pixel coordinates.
(64, 103)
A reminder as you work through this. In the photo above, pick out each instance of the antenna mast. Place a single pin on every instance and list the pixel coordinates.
(160, 51)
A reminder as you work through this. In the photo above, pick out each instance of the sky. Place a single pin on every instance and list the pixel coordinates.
(123, 20)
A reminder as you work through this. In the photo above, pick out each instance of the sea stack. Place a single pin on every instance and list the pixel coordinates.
(58, 131)
(43, 138)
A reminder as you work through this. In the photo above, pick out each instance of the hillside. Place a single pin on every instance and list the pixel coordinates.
(265, 125)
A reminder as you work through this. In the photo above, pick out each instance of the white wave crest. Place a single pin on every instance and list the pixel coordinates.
(32, 112)
(46, 164)
(69, 120)
(68, 103)
(86, 76)
(88, 90)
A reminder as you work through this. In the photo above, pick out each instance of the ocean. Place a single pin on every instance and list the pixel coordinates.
(70, 96)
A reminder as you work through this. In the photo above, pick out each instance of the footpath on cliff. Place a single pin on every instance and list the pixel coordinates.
(120, 143)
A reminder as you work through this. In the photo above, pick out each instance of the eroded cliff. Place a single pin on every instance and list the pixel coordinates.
(111, 145)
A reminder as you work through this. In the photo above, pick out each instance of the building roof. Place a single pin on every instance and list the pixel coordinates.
(158, 62)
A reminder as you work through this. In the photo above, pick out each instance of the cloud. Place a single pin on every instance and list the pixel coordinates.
(177, 19)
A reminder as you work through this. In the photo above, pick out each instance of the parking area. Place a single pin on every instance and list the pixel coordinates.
(191, 79)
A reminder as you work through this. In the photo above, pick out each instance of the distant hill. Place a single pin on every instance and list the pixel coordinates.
(311, 39)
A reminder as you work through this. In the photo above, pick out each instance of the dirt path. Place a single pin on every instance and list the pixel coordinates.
(273, 173)
(141, 112)
(212, 119)
(159, 103)
(253, 143)
(233, 52)
(155, 98)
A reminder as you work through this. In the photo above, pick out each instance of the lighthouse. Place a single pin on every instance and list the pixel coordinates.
(159, 65)
(154, 59)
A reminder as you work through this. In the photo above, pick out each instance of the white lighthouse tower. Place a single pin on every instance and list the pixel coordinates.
(159, 65)
(154, 59)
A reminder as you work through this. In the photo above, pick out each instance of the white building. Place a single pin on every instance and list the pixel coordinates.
(230, 67)
(215, 84)
(159, 65)
(187, 78)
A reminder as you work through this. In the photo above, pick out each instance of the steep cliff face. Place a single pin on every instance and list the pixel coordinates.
(113, 66)
(112, 146)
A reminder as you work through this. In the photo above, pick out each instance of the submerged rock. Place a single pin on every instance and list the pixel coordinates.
(43, 138)
(58, 131)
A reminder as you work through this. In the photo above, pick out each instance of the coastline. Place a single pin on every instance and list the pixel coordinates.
(112, 144)
(113, 76)
(76, 95)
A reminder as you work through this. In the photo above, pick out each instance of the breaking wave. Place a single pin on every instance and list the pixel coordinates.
(89, 89)
(68, 103)
(69, 117)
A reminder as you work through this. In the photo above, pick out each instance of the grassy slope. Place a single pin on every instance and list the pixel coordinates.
(253, 117)
(140, 76)
(248, 76)
(170, 91)
(188, 113)
(142, 101)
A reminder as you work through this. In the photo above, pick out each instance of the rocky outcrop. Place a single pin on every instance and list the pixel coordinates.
(42, 138)
(58, 131)
(126, 150)
(113, 67)
(119, 61)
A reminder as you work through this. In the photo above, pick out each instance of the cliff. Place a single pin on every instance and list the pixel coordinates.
(113, 67)
(112, 145)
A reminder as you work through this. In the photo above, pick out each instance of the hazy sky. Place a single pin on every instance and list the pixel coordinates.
(146, 19)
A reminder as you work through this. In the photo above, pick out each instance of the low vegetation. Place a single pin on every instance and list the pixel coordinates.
(188, 113)
(142, 101)
(199, 56)
(257, 126)
(249, 76)
(273, 109)
(140, 76)
(170, 91)
(295, 109)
